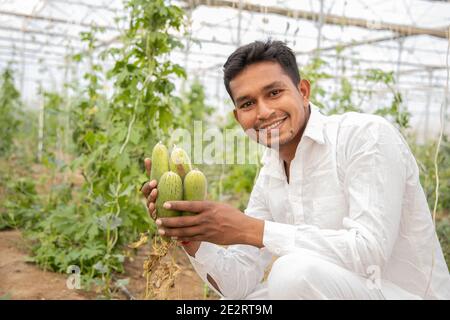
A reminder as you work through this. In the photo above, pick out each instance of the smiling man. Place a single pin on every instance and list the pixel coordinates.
(338, 201)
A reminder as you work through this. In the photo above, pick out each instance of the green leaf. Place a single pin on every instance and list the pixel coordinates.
(127, 191)
(100, 267)
(134, 136)
(122, 282)
(165, 119)
(89, 138)
(114, 151)
(122, 161)
(121, 259)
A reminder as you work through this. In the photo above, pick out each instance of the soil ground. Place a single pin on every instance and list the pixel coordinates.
(20, 279)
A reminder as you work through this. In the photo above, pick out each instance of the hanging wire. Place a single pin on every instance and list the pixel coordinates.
(443, 112)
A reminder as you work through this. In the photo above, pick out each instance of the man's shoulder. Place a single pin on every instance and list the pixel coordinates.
(359, 120)
(362, 124)
(368, 131)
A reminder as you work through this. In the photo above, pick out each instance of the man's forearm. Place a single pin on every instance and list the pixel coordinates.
(252, 234)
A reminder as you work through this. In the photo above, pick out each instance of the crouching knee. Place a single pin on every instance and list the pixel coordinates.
(294, 276)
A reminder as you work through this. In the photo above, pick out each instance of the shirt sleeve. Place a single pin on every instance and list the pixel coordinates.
(238, 269)
(375, 176)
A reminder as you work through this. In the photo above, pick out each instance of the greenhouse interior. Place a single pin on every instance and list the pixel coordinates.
(88, 88)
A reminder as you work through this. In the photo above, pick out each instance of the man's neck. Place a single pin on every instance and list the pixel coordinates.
(287, 151)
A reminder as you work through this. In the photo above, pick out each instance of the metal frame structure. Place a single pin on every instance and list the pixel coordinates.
(37, 37)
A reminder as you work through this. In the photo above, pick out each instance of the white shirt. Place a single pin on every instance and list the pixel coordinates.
(354, 198)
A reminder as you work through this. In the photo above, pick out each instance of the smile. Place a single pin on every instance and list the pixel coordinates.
(274, 125)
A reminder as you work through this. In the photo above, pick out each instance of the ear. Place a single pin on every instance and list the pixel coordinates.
(305, 89)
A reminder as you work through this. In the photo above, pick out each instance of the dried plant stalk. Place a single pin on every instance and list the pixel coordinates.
(160, 275)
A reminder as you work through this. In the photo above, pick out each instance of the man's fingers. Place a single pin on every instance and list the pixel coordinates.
(186, 232)
(153, 214)
(152, 196)
(191, 206)
(178, 222)
(148, 187)
(148, 165)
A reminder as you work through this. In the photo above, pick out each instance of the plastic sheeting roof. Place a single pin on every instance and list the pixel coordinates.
(35, 35)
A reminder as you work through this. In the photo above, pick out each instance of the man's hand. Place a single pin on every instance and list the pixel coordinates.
(214, 222)
(149, 190)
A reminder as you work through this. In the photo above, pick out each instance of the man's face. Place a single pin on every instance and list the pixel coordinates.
(268, 106)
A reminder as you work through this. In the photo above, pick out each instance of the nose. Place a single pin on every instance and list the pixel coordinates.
(264, 111)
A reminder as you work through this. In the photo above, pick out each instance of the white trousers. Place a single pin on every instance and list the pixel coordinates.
(305, 277)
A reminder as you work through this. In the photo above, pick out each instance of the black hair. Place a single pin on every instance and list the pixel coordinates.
(259, 51)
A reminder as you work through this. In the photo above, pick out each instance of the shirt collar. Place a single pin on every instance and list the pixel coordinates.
(315, 126)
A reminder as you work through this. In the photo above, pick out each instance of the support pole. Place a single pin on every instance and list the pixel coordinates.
(427, 107)
(41, 127)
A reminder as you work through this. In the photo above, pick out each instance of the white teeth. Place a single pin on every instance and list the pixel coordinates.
(274, 125)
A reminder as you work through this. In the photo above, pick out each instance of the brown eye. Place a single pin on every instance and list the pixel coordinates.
(246, 105)
(274, 92)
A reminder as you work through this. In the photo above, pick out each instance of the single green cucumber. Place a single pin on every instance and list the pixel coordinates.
(160, 161)
(170, 188)
(194, 187)
(180, 162)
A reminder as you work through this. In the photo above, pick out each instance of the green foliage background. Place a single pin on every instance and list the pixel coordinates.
(103, 140)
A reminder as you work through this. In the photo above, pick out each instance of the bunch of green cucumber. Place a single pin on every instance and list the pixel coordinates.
(176, 179)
